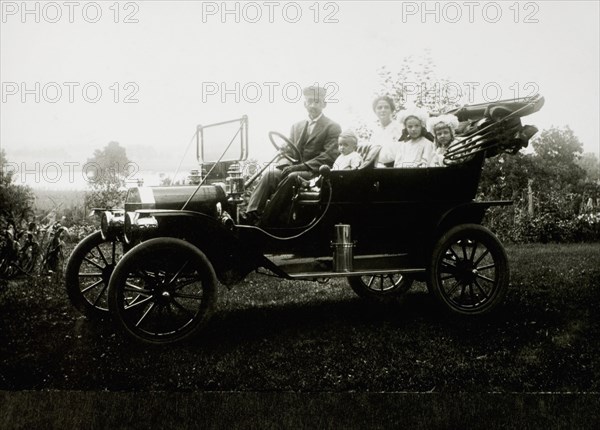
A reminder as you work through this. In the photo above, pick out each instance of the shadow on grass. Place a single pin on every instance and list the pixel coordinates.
(415, 315)
(233, 325)
(312, 337)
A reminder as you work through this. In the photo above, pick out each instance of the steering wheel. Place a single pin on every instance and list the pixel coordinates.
(282, 147)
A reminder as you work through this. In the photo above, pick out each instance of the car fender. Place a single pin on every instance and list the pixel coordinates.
(464, 213)
(217, 238)
(470, 212)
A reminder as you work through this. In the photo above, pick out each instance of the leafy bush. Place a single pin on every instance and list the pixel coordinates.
(17, 200)
(554, 221)
(562, 192)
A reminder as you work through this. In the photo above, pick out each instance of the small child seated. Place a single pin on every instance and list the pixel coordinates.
(348, 159)
(443, 127)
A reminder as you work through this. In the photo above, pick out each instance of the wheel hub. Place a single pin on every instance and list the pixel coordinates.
(107, 272)
(466, 272)
(163, 297)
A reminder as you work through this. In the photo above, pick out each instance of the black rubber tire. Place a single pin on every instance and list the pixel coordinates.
(392, 287)
(89, 258)
(471, 259)
(154, 274)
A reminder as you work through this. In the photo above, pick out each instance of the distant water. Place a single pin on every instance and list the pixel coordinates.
(75, 180)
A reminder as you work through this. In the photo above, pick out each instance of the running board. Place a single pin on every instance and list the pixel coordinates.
(315, 275)
(362, 265)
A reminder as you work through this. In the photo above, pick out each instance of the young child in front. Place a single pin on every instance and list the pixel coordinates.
(417, 150)
(443, 128)
(348, 159)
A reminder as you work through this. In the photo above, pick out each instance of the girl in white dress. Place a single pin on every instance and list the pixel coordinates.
(417, 150)
(443, 128)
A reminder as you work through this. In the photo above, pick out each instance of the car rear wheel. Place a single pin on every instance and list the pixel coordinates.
(88, 271)
(469, 271)
(380, 288)
(163, 291)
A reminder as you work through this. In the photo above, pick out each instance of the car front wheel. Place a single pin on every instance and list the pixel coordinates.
(163, 291)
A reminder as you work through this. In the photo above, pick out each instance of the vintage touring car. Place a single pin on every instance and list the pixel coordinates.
(154, 265)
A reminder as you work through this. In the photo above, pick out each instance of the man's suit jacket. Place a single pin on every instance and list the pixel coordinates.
(321, 146)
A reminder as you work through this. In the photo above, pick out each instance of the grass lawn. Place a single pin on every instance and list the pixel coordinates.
(274, 336)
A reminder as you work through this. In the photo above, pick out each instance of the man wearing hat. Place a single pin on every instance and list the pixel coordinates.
(316, 139)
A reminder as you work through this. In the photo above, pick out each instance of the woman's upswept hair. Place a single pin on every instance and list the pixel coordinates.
(386, 99)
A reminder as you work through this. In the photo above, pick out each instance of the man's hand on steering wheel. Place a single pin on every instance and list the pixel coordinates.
(284, 149)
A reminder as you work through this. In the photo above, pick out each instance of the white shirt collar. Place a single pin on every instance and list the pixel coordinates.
(315, 120)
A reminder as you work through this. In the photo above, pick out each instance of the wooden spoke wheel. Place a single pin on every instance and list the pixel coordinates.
(469, 270)
(163, 291)
(88, 271)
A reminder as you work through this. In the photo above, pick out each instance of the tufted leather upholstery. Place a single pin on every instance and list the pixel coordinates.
(369, 154)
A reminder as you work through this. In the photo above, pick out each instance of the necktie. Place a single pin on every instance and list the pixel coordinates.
(303, 136)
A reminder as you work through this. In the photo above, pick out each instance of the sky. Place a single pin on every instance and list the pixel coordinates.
(77, 75)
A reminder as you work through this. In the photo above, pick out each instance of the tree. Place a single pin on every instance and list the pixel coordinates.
(417, 82)
(557, 151)
(107, 171)
(548, 188)
(589, 162)
(17, 200)
(506, 177)
(552, 169)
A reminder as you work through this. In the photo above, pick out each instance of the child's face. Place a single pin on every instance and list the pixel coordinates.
(413, 127)
(443, 136)
(346, 146)
(383, 111)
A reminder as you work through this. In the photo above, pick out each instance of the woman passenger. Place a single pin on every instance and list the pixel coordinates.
(389, 131)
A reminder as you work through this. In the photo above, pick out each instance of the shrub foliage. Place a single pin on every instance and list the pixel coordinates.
(555, 200)
(17, 200)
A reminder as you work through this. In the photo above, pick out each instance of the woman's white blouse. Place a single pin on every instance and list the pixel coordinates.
(387, 137)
